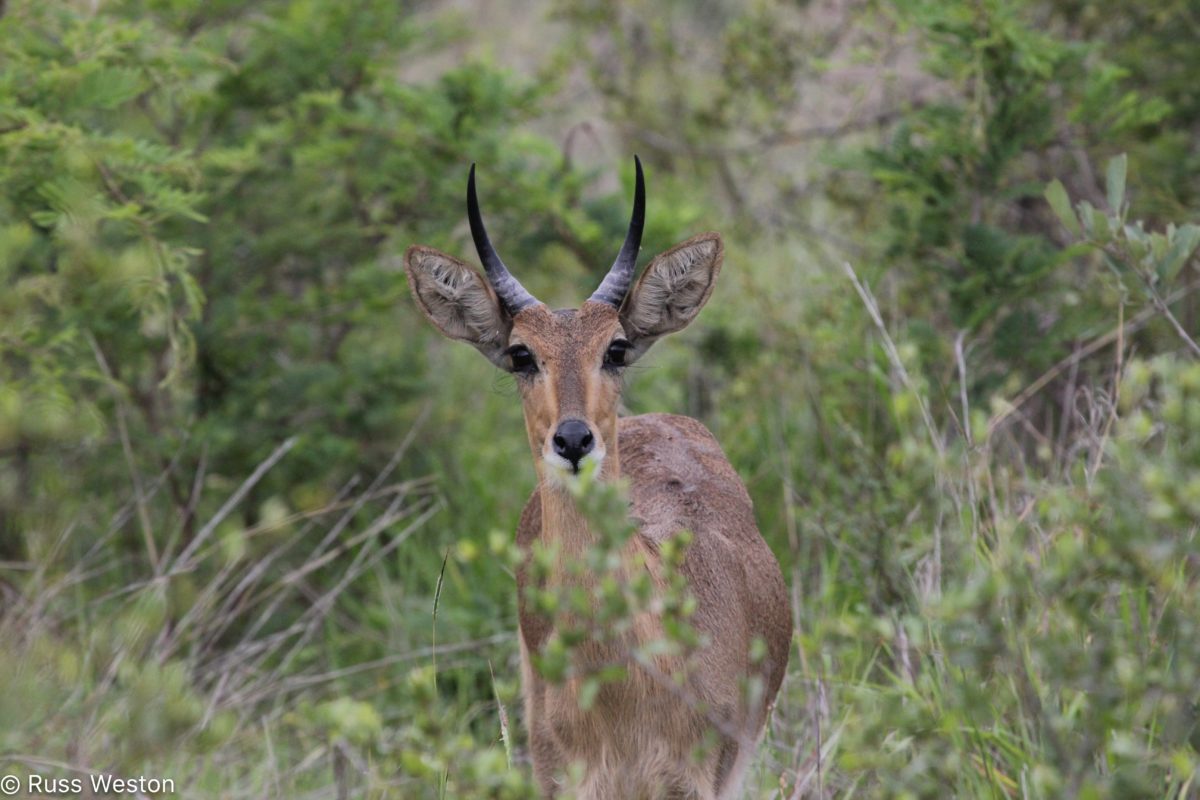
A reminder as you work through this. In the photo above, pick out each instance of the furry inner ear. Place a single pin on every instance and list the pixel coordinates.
(458, 301)
(672, 290)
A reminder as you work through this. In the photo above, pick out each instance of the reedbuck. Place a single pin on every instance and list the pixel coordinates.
(646, 735)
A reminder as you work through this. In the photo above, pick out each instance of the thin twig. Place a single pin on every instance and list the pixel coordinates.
(1164, 309)
(305, 681)
(960, 358)
(307, 625)
(182, 563)
(1137, 322)
(1098, 456)
(437, 598)
(894, 355)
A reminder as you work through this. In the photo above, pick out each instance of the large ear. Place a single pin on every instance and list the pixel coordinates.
(672, 290)
(458, 301)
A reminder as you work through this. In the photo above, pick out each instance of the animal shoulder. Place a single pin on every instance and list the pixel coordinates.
(680, 478)
(671, 448)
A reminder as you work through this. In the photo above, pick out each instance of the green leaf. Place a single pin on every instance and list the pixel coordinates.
(1136, 233)
(354, 720)
(1183, 245)
(45, 218)
(1116, 183)
(108, 88)
(1087, 216)
(1056, 196)
(588, 692)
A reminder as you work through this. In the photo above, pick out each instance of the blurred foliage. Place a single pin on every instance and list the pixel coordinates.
(238, 474)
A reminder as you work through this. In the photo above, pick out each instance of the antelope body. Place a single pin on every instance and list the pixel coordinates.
(645, 736)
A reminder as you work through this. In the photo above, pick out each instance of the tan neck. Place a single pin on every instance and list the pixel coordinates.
(563, 524)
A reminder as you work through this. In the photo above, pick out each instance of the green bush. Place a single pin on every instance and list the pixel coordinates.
(255, 522)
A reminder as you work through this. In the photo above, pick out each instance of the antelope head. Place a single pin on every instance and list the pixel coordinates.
(568, 363)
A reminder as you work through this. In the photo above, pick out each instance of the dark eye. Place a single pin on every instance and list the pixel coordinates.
(522, 360)
(616, 353)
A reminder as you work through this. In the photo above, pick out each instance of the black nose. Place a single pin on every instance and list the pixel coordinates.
(573, 440)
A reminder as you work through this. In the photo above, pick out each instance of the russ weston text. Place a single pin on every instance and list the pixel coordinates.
(98, 784)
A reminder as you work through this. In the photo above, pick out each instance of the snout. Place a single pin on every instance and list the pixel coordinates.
(572, 440)
(570, 444)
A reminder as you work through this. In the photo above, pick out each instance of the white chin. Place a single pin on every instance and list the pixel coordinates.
(560, 469)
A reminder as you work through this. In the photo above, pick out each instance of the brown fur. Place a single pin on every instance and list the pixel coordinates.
(641, 737)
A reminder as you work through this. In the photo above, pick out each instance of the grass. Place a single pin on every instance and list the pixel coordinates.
(971, 617)
(975, 452)
(1006, 632)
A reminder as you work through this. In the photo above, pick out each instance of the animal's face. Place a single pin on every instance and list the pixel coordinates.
(567, 364)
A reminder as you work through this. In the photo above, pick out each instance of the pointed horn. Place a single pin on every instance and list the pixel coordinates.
(616, 283)
(511, 293)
